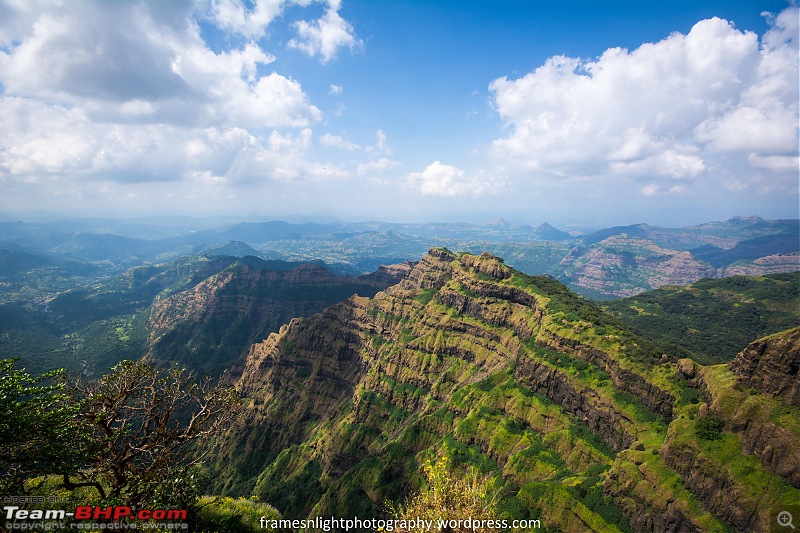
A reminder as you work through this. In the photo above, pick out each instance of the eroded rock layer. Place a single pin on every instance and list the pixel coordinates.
(583, 424)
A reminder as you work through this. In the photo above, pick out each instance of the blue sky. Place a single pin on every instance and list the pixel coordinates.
(589, 113)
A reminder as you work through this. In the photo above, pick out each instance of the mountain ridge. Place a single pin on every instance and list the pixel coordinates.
(469, 358)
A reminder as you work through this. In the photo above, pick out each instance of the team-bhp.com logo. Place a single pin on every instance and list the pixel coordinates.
(87, 512)
(28, 519)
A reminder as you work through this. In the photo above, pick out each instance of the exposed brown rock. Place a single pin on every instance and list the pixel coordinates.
(770, 264)
(487, 264)
(713, 487)
(622, 266)
(686, 368)
(651, 396)
(626, 489)
(772, 365)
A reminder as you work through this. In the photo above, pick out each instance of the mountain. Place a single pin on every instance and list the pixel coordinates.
(609, 263)
(15, 261)
(750, 249)
(578, 421)
(230, 248)
(546, 232)
(722, 235)
(712, 320)
(207, 326)
(202, 311)
(624, 265)
(626, 260)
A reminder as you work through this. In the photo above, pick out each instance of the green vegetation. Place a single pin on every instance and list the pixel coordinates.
(445, 497)
(540, 402)
(712, 320)
(229, 515)
(39, 433)
(709, 427)
(124, 438)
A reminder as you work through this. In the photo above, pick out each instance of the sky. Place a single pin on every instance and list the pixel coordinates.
(576, 113)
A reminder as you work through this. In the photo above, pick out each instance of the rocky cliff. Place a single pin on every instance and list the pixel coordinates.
(581, 422)
(747, 465)
(215, 320)
(621, 266)
(772, 365)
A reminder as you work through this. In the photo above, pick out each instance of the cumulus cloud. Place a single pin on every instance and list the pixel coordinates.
(324, 36)
(86, 97)
(445, 180)
(680, 110)
(44, 144)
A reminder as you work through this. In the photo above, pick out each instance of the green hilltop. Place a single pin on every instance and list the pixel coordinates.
(712, 320)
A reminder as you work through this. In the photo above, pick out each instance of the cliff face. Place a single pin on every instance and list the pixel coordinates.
(470, 359)
(751, 467)
(772, 365)
(214, 321)
(770, 264)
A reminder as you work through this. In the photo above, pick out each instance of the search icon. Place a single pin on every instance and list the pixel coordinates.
(785, 519)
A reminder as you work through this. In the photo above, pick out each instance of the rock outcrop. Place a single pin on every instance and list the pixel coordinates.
(772, 365)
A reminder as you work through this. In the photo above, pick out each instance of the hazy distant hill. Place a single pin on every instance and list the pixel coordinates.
(609, 263)
(627, 260)
(15, 261)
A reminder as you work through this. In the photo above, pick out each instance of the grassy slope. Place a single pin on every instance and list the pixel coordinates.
(713, 319)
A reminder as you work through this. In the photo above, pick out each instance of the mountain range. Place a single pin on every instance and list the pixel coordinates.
(608, 263)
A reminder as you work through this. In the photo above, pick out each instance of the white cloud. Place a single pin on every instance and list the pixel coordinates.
(669, 164)
(46, 143)
(338, 142)
(445, 180)
(335, 89)
(376, 167)
(381, 144)
(325, 35)
(234, 16)
(82, 53)
(86, 98)
(687, 108)
(775, 163)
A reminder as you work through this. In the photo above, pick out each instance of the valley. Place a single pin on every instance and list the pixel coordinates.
(360, 359)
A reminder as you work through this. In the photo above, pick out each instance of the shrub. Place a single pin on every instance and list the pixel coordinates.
(709, 427)
(448, 498)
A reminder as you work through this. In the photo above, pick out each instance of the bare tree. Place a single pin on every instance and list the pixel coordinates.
(144, 420)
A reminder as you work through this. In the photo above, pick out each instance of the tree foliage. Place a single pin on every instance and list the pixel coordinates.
(39, 432)
(709, 427)
(128, 435)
